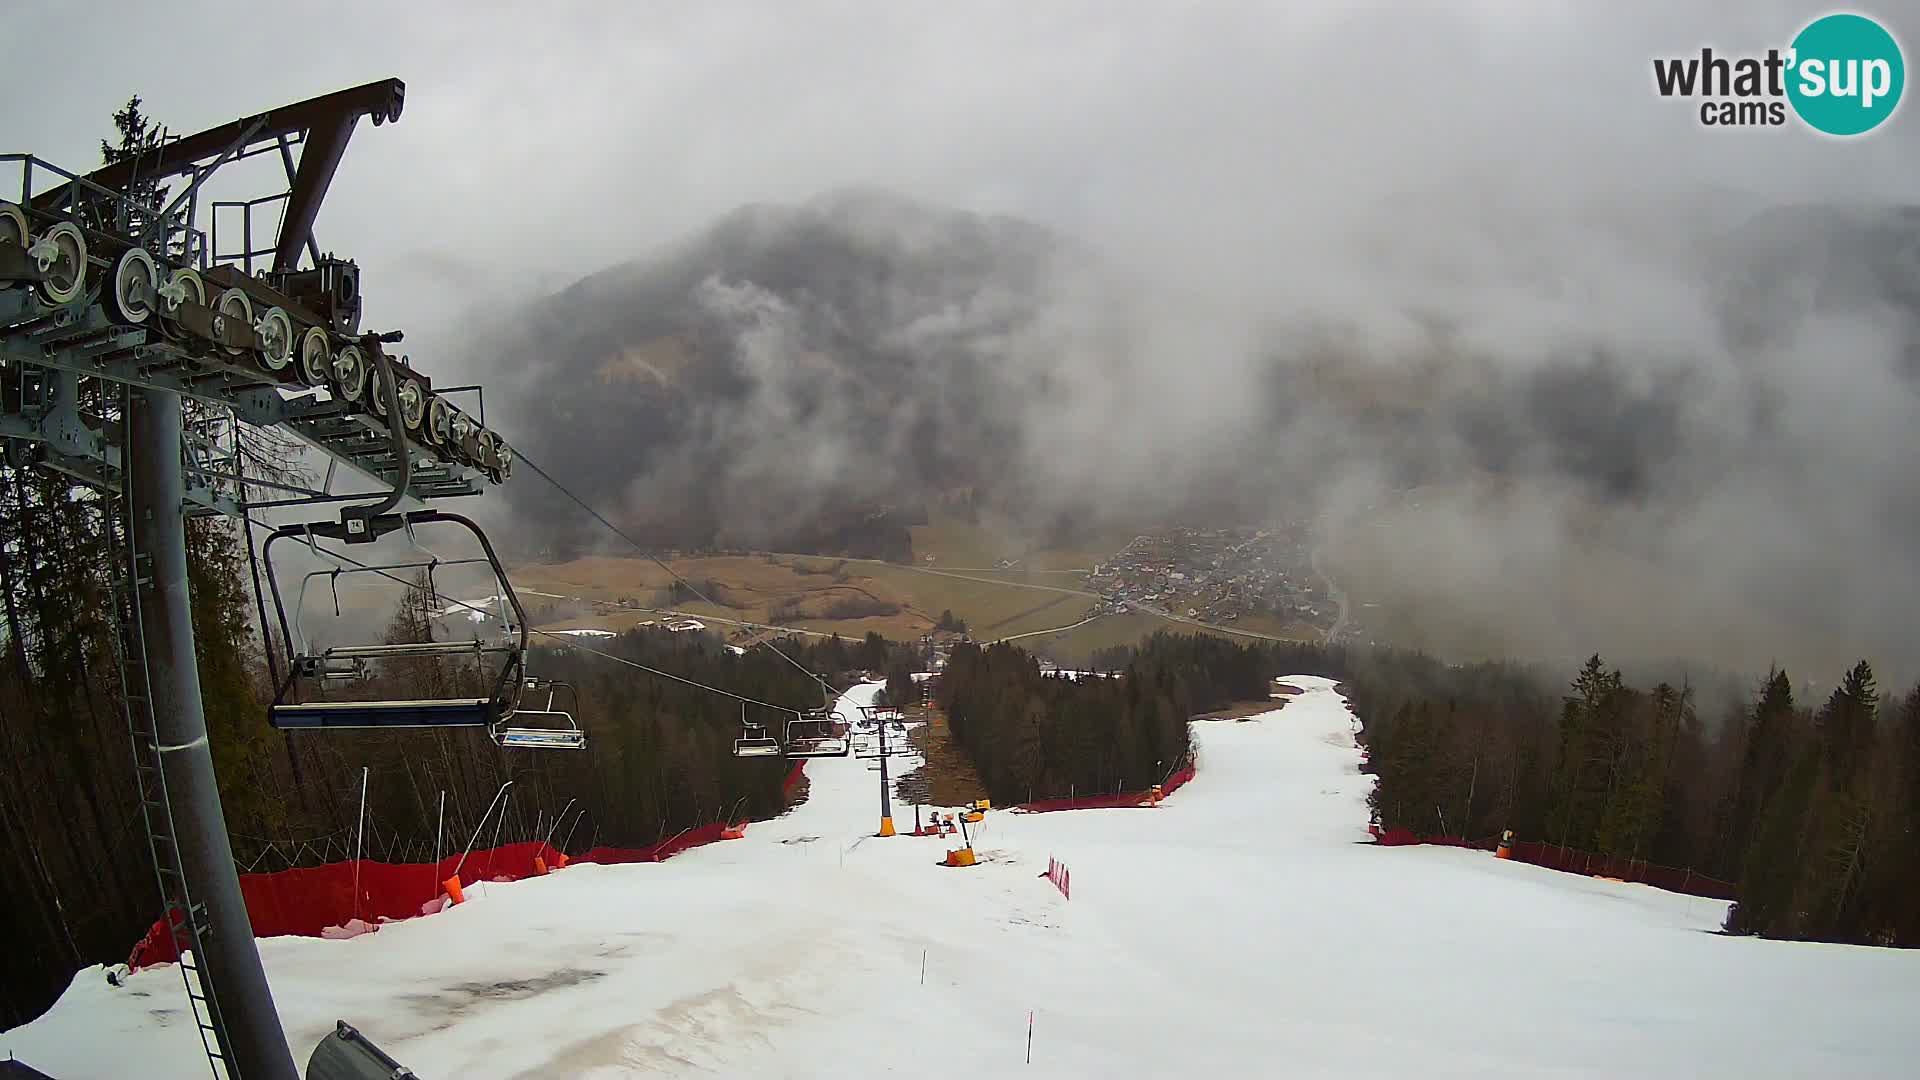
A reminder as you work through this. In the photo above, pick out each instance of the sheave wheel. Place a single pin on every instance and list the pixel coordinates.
(350, 373)
(136, 280)
(61, 253)
(275, 330)
(316, 359)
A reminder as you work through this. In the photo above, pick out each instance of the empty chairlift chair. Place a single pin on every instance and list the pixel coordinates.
(548, 727)
(306, 698)
(754, 740)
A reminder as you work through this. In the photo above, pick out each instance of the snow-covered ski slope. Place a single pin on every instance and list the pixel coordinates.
(1242, 929)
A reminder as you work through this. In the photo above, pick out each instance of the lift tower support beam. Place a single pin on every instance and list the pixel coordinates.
(157, 501)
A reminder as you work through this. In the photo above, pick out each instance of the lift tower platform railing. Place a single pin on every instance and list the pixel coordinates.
(132, 353)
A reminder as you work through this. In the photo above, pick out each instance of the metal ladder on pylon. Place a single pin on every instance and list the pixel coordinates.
(186, 920)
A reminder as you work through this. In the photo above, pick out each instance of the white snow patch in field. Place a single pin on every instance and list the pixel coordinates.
(1244, 928)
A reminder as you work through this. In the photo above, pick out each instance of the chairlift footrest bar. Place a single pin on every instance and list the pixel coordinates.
(320, 715)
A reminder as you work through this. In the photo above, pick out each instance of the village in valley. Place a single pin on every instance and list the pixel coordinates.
(1218, 576)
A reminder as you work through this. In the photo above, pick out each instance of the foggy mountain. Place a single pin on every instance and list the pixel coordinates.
(1664, 430)
(790, 374)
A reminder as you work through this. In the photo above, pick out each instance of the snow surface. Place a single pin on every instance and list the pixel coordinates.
(1244, 928)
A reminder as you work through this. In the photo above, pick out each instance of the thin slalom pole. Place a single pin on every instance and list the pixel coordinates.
(568, 842)
(483, 824)
(359, 841)
(547, 842)
(439, 823)
(499, 824)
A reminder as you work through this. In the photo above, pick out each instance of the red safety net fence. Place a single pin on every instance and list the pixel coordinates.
(1574, 861)
(1058, 874)
(307, 901)
(1407, 838)
(1111, 802)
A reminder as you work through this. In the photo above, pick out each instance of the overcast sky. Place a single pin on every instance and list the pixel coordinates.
(1499, 168)
(541, 142)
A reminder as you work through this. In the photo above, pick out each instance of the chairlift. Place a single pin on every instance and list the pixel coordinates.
(300, 701)
(544, 728)
(754, 740)
(814, 733)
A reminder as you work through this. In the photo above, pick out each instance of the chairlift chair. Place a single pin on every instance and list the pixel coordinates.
(544, 728)
(299, 701)
(815, 734)
(754, 740)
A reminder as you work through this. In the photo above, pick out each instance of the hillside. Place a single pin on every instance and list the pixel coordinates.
(812, 948)
(805, 378)
(1594, 436)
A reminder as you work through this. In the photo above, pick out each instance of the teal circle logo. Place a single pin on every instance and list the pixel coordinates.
(1846, 74)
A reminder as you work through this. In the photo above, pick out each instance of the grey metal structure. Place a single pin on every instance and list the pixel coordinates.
(132, 353)
(345, 1054)
(881, 723)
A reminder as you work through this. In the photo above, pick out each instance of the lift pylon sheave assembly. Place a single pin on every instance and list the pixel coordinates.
(134, 346)
(97, 282)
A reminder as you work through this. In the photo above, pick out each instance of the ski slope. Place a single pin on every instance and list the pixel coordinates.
(1244, 928)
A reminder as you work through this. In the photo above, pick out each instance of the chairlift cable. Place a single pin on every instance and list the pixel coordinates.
(657, 561)
(259, 594)
(571, 641)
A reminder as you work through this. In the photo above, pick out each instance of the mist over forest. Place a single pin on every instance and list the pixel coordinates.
(1659, 430)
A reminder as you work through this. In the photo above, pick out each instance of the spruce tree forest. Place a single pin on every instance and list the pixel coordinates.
(1813, 808)
(1035, 736)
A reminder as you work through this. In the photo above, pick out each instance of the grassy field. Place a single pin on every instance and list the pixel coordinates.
(956, 543)
(1073, 648)
(853, 597)
(1051, 609)
(978, 599)
(808, 589)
